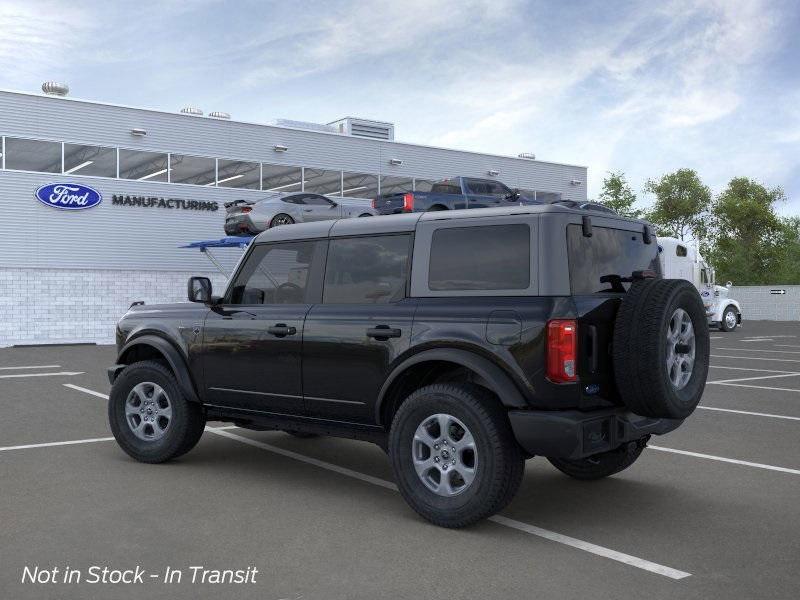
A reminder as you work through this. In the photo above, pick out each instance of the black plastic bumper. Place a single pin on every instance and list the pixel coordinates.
(574, 434)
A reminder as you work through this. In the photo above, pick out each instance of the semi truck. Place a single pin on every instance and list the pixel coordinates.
(680, 260)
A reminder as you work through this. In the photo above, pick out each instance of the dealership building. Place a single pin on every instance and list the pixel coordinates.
(159, 181)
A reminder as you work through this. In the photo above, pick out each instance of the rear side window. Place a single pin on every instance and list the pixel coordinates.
(446, 187)
(366, 270)
(606, 252)
(494, 257)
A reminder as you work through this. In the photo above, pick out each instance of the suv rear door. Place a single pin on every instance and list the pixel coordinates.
(363, 323)
(252, 340)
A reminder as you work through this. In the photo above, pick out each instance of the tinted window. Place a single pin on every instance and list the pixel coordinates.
(478, 187)
(607, 252)
(425, 185)
(238, 174)
(495, 257)
(278, 178)
(144, 166)
(366, 270)
(315, 200)
(498, 189)
(90, 160)
(359, 185)
(197, 170)
(275, 274)
(446, 187)
(396, 185)
(680, 250)
(321, 181)
(33, 155)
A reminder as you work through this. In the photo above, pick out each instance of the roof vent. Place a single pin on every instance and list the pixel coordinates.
(527, 155)
(376, 130)
(192, 110)
(219, 115)
(53, 88)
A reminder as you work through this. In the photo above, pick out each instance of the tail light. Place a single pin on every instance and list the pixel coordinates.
(374, 202)
(246, 209)
(562, 347)
(408, 202)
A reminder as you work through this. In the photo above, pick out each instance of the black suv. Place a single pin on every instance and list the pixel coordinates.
(463, 342)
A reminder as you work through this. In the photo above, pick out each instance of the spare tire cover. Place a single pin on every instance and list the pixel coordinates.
(660, 348)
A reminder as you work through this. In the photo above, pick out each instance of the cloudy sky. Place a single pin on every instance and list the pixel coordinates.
(642, 87)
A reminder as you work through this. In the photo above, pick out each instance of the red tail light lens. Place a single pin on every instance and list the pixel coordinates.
(246, 209)
(374, 202)
(408, 202)
(562, 350)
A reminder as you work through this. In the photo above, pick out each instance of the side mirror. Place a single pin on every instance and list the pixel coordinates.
(199, 289)
(334, 204)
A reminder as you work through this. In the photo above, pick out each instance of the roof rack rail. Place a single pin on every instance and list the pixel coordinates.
(596, 206)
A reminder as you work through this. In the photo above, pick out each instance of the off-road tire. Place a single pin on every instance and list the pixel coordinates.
(640, 354)
(500, 465)
(184, 430)
(599, 465)
(723, 324)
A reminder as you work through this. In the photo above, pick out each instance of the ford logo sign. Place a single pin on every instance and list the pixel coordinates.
(68, 196)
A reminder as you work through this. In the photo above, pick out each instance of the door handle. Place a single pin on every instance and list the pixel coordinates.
(308, 209)
(383, 332)
(281, 330)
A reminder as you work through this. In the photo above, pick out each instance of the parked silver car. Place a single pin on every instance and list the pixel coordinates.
(249, 217)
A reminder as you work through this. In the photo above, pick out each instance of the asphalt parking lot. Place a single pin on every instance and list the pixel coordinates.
(709, 511)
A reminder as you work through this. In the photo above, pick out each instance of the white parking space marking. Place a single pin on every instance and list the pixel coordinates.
(85, 390)
(746, 378)
(747, 412)
(787, 346)
(51, 444)
(755, 358)
(751, 369)
(727, 460)
(518, 525)
(761, 387)
(757, 340)
(31, 367)
(17, 375)
(760, 350)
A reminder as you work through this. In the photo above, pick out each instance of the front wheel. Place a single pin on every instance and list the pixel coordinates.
(454, 455)
(150, 417)
(600, 465)
(729, 319)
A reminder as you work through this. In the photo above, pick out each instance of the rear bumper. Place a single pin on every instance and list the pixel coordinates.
(573, 434)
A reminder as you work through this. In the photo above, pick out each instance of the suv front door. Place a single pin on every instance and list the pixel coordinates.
(252, 340)
(362, 325)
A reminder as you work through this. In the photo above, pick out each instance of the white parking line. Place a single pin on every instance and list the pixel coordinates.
(787, 346)
(750, 369)
(727, 460)
(85, 390)
(31, 367)
(755, 358)
(760, 387)
(757, 340)
(747, 412)
(16, 375)
(500, 520)
(760, 350)
(745, 378)
(50, 444)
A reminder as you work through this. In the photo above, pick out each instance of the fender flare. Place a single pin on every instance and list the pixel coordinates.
(500, 382)
(173, 356)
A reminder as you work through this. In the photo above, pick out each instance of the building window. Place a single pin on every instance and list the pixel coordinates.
(143, 166)
(33, 155)
(366, 270)
(325, 182)
(280, 178)
(489, 267)
(238, 174)
(396, 185)
(547, 197)
(359, 185)
(98, 161)
(196, 170)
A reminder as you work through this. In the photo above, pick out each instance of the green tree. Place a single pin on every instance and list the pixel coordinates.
(681, 205)
(751, 244)
(618, 195)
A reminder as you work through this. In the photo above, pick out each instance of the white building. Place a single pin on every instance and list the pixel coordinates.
(67, 275)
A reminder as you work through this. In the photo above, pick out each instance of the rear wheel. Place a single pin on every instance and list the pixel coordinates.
(454, 455)
(729, 319)
(150, 417)
(281, 219)
(600, 465)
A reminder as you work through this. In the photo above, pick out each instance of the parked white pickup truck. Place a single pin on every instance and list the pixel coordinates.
(680, 260)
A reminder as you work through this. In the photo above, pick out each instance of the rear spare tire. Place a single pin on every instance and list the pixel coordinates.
(660, 348)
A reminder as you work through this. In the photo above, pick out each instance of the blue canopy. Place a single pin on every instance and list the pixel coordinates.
(239, 241)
